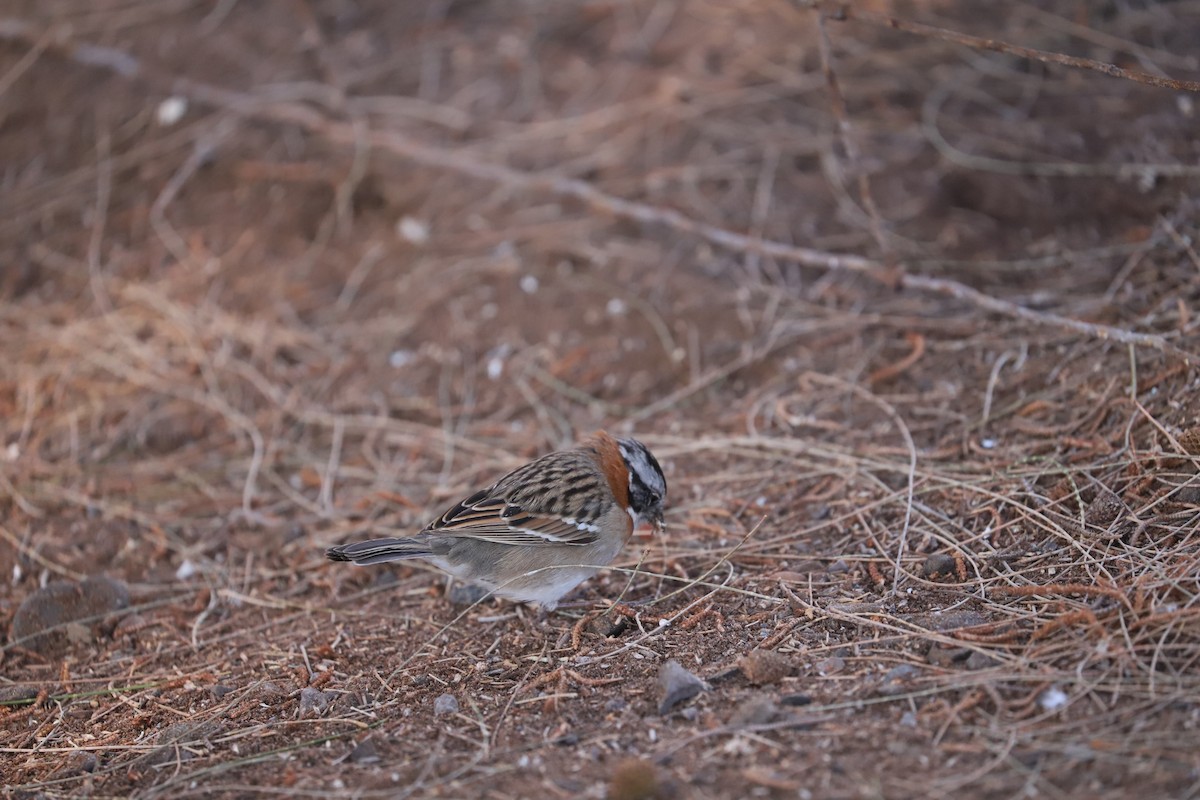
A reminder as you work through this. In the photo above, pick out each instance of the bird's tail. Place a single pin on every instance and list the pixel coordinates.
(377, 551)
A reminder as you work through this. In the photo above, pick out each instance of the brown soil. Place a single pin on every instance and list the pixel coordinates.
(922, 374)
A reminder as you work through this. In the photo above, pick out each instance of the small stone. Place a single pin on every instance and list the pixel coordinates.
(725, 675)
(946, 655)
(895, 680)
(401, 358)
(902, 672)
(839, 566)
(1188, 495)
(635, 779)
(43, 622)
(613, 705)
(938, 565)
(171, 110)
(796, 700)
(757, 710)
(980, 660)
(677, 685)
(1104, 509)
(908, 720)
(83, 762)
(763, 667)
(79, 762)
(220, 690)
(267, 691)
(609, 627)
(365, 752)
(1053, 699)
(445, 704)
(313, 702)
(413, 230)
(11, 696)
(181, 740)
(832, 665)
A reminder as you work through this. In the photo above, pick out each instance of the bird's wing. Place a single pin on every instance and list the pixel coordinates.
(491, 517)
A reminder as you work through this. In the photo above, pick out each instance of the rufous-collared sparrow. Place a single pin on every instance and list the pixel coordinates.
(542, 529)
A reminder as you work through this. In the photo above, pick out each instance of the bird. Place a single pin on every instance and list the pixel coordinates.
(542, 529)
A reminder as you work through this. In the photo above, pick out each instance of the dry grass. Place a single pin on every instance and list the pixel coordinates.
(910, 323)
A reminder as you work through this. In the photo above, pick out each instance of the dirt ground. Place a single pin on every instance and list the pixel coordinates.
(910, 322)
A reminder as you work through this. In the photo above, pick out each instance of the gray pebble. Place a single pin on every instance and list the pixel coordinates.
(80, 762)
(944, 655)
(828, 666)
(613, 704)
(365, 752)
(313, 701)
(756, 710)
(765, 666)
(902, 672)
(267, 691)
(676, 685)
(896, 680)
(939, 565)
(179, 741)
(1104, 509)
(980, 660)
(445, 704)
(11, 696)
